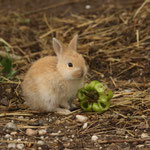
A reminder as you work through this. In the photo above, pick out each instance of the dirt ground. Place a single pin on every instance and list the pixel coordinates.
(114, 38)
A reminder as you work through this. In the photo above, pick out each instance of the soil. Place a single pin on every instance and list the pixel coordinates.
(114, 38)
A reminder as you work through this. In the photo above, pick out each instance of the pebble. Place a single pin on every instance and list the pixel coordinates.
(81, 118)
(10, 139)
(4, 101)
(20, 117)
(127, 90)
(126, 136)
(87, 6)
(31, 132)
(144, 135)
(94, 138)
(42, 137)
(140, 146)
(13, 133)
(85, 125)
(55, 134)
(20, 146)
(18, 140)
(10, 125)
(71, 140)
(11, 145)
(41, 142)
(64, 138)
(42, 132)
(7, 136)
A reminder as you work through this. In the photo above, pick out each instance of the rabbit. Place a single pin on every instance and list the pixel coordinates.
(52, 82)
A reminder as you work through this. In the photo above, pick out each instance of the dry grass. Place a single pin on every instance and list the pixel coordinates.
(114, 41)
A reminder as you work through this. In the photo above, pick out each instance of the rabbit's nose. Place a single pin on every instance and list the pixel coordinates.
(78, 74)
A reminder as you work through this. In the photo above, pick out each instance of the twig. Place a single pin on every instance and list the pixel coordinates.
(113, 81)
(25, 142)
(6, 43)
(137, 38)
(49, 32)
(123, 141)
(139, 9)
(12, 56)
(55, 5)
(15, 114)
(8, 81)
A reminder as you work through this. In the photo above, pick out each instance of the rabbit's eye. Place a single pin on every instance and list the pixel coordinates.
(70, 64)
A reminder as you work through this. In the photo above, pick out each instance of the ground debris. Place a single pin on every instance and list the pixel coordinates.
(113, 38)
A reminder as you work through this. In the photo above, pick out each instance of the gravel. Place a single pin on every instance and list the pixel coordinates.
(81, 118)
(11, 145)
(94, 138)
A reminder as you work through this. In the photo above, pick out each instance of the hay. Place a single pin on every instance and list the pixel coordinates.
(115, 42)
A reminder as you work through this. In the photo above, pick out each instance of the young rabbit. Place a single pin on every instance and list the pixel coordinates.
(53, 81)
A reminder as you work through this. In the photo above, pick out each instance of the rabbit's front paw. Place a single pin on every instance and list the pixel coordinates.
(63, 111)
(65, 105)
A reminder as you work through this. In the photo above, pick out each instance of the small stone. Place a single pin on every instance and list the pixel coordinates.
(59, 131)
(71, 140)
(46, 137)
(126, 136)
(127, 91)
(87, 6)
(81, 118)
(64, 138)
(31, 132)
(94, 138)
(42, 132)
(11, 145)
(10, 125)
(7, 136)
(10, 139)
(13, 133)
(4, 101)
(54, 134)
(50, 120)
(20, 117)
(20, 146)
(85, 125)
(41, 142)
(144, 135)
(18, 140)
(140, 146)
(42, 137)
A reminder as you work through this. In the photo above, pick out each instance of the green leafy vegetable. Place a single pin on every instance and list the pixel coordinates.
(95, 97)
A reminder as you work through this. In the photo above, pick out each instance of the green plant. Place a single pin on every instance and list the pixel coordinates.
(7, 65)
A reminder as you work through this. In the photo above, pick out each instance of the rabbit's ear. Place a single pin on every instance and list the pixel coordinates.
(73, 43)
(57, 46)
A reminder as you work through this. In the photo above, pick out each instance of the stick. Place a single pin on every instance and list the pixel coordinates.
(122, 141)
(12, 56)
(53, 6)
(139, 9)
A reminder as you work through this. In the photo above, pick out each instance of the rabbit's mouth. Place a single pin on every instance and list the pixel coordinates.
(78, 74)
